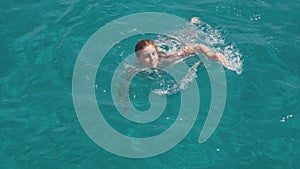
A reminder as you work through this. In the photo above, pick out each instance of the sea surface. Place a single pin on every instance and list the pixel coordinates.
(260, 126)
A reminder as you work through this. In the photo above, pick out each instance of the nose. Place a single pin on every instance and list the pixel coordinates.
(150, 59)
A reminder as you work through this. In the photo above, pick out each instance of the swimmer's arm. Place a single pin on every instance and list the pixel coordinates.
(178, 56)
(209, 54)
(122, 92)
(190, 51)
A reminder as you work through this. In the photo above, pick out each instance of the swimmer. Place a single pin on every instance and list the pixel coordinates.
(148, 55)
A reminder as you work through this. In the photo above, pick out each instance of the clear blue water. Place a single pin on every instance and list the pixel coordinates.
(41, 40)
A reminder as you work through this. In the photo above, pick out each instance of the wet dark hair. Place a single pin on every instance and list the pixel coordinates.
(142, 44)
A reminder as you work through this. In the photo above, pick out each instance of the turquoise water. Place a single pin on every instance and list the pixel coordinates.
(40, 42)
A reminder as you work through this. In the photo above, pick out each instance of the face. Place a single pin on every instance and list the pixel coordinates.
(149, 57)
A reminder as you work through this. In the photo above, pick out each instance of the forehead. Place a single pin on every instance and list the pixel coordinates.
(149, 49)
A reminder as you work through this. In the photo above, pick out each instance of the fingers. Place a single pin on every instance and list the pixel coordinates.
(195, 20)
(221, 58)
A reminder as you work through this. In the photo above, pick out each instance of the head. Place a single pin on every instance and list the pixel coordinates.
(146, 53)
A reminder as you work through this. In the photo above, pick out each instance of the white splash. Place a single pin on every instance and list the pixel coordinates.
(286, 118)
(233, 58)
(183, 84)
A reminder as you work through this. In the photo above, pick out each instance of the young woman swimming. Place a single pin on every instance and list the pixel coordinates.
(148, 55)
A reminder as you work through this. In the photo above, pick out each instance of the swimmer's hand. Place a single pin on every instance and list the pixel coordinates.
(216, 57)
(195, 20)
(221, 58)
